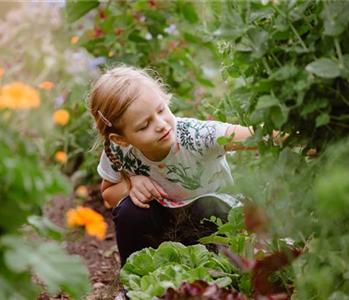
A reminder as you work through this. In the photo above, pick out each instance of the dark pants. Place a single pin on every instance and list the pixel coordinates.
(137, 228)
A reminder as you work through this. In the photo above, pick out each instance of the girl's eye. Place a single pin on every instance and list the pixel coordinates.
(144, 127)
(162, 109)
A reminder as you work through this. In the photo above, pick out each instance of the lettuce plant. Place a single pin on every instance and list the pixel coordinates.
(148, 273)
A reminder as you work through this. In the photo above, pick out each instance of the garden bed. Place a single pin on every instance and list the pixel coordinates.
(100, 257)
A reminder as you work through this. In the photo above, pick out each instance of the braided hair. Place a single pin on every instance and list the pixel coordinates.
(116, 162)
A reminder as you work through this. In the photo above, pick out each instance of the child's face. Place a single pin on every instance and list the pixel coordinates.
(148, 124)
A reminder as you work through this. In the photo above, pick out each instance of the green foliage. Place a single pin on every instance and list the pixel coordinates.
(148, 273)
(164, 35)
(305, 201)
(26, 184)
(289, 62)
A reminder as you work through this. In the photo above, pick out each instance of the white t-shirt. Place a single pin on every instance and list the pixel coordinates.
(196, 165)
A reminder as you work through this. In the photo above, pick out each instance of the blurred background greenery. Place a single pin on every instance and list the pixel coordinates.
(273, 65)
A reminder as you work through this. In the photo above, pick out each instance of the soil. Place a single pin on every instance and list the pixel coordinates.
(101, 257)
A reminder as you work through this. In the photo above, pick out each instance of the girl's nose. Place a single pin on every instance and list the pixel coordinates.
(161, 124)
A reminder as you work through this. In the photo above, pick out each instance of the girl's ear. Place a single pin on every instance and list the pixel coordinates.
(118, 139)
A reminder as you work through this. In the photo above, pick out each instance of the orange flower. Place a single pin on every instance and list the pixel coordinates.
(74, 39)
(97, 229)
(2, 71)
(82, 191)
(47, 85)
(92, 221)
(61, 157)
(18, 95)
(61, 117)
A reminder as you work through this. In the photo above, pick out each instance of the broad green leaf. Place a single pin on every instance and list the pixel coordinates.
(223, 140)
(45, 227)
(284, 72)
(9, 283)
(165, 255)
(258, 39)
(189, 12)
(229, 32)
(324, 67)
(223, 281)
(335, 17)
(214, 239)
(279, 116)
(267, 101)
(78, 8)
(55, 268)
(322, 119)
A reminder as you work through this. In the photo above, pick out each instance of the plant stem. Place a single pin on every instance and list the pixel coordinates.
(298, 37)
(265, 63)
(339, 52)
(276, 59)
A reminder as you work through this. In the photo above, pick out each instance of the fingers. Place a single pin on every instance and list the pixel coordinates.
(138, 202)
(160, 190)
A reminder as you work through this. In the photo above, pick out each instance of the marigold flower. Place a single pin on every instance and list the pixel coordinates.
(61, 157)
(92, 221)
(74, 39)
(18, 95)
(97, 229)
(61, 116)
(47, 85)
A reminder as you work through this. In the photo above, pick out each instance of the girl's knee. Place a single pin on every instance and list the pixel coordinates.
(128, 213)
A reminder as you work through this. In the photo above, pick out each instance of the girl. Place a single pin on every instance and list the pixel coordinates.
(155, 166)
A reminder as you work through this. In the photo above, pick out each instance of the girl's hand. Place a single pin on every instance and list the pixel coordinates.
(144, 190)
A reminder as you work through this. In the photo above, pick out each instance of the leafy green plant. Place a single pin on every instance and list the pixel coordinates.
(148, 273)
(288, 65)
(26, 184)
(200, 289)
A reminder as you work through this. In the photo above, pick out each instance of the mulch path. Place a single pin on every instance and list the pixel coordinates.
(101, 257)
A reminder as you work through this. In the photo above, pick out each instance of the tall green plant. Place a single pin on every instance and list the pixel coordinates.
(289, 61)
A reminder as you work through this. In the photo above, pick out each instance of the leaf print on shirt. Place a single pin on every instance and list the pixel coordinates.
(215, 176)
(135, 165)
(204, 131)
(184, 179)
(129, 161)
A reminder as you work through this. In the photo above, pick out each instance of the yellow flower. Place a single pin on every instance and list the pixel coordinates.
(47, 85)
(61, 157)
(92, 221)
(61, 117)
(82, 191)
(2, 71)
(74, 39)
(18, 95)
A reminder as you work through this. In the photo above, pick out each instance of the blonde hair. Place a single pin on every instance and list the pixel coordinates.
(112, 94)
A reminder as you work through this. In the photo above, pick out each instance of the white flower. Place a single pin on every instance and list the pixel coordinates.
(170, 29)
(148, 36)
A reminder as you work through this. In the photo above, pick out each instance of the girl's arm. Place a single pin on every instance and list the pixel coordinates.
(112, 193)
(241, 133)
